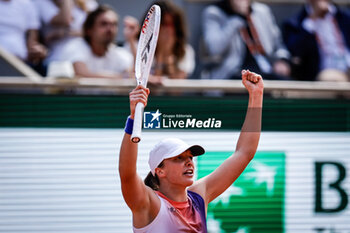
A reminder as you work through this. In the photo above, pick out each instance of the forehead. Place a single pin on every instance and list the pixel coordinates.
(168, 17)
(108, 16)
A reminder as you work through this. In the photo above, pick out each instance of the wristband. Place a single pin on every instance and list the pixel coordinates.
(129, 125)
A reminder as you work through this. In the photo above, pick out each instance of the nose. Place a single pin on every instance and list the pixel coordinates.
(189, 161)
(111, 27)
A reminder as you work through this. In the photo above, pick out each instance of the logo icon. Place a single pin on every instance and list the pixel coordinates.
(152, 120)
(146, 50)
(254, 203)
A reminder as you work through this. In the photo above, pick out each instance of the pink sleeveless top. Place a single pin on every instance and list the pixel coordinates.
(174, 217)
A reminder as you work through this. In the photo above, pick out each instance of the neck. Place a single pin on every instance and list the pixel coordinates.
(321, 13)
(99, 49)
(178, 194)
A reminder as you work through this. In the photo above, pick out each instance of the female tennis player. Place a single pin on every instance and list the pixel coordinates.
(169, 200)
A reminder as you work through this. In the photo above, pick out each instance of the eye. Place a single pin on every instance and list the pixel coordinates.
(179, 157)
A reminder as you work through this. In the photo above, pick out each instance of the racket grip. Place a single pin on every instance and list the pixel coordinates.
(136, 132)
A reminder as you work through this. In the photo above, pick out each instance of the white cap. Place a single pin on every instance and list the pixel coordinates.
(168, 148)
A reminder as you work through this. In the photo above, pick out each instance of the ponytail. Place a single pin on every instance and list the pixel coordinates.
(151, 180)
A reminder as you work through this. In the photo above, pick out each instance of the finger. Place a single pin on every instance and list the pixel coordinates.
(144, 92)
(244, 75)
(256, 78)
(250, 76)
(139, 98)
(134, 101)
(140, 93)
(139, 89)
(253, 77)
(136, 97)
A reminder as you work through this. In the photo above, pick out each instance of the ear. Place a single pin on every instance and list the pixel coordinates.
(160, 172)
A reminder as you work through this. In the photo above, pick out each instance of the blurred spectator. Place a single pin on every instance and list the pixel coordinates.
(174, 58)
(131, 34)
(241, 34)
(62, 21)
(96, 55)
(19, 24)
(319, 39)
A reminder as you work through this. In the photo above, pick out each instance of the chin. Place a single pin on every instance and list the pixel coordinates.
(108, 42)
(189, 182)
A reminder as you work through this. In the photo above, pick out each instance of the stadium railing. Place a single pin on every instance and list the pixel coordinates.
(293, 89)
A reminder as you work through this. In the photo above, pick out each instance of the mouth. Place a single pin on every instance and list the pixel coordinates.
(188, 172)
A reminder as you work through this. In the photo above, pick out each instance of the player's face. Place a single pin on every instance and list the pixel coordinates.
(105, 28)
(179, 170)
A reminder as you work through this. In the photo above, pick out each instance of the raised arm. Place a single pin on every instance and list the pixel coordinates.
(133, 189)
(64, 16)
(217, 182)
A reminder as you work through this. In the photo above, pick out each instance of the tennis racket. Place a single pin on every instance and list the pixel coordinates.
(144, 58)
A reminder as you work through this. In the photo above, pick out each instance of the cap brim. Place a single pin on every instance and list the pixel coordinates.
(196, 150)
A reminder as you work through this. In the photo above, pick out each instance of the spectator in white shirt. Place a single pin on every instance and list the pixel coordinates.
(62, 21)
(96, 55)
(19, 24)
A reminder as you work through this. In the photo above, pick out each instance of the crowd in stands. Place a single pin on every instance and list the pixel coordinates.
(237, 34)
(244, 35)
(318, 38)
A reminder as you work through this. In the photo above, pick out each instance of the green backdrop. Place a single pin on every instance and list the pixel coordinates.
(79, 111)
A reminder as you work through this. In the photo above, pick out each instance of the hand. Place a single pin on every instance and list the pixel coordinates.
(36, 53)
(253, 82)
(139, 94)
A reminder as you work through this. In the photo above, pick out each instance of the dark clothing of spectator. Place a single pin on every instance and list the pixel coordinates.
(303, 45)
